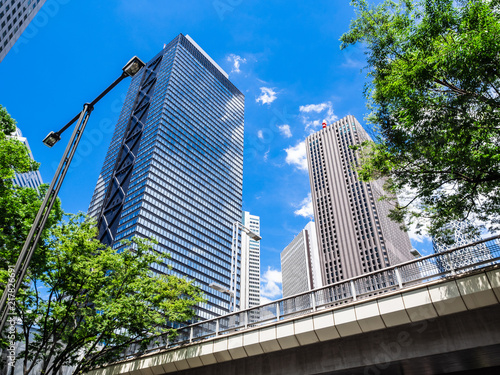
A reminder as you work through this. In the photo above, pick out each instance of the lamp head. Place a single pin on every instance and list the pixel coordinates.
(220, 288)
(133, 66)
(254, 236)
(51, 139)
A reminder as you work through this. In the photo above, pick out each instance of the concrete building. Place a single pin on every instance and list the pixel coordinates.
(15, 15)
(466, 256)
(300, 263)
(28, 179)
(355, 235)
(250, 263)
(174, 168)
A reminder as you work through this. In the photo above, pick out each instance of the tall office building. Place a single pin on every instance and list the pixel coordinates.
(15, 15)
(355, 235)
(466, 256)
(174, 167)
(250, 263)
(300, 263)
(28, 179)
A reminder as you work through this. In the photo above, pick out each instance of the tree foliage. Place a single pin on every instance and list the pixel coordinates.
(434, 95)
(18, 205)
(81, 303)
(89, 302)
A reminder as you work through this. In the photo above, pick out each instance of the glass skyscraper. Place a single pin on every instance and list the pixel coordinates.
(174, 168)
(31, 179)
(461, 238)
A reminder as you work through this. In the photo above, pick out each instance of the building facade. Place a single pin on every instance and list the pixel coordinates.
(300, 263)
(15, 15)
(28, 179)
(250, 263)
(355, 236)
(461, 237)
(174, 168)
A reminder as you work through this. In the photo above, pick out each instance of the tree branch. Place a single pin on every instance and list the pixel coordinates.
(459, 91)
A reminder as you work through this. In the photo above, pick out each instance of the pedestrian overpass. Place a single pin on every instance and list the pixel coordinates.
(436, 314)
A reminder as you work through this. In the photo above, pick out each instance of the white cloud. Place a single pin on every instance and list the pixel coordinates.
(266, 155)
(417, 237)
(407, 197)
(312, 112)
(314, 107)
(353, 63)
(267, 95)
(270, 285)
(265, 300)
(296, 155)
(306, 208)
(237, 61)
(260, 134)
(285, 130)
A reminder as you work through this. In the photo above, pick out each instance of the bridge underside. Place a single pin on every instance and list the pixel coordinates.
(461, 343)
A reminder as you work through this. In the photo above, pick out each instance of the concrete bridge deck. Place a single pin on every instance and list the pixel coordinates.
(444, 326)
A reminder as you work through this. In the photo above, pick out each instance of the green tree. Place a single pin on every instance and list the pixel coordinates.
(434, 93)
(18, 205)
(81, 303)
(88, 302)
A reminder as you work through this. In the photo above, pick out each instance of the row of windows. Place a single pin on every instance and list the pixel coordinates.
(21, 16)
(221, 182)
(186, 114)
(190, 226)
(180, 208)
(195, 76)
(180, 257)
(191, 210)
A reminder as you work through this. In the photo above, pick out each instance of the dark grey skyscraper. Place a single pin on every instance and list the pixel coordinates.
(15, 15)
(174, 169)
(355, 235)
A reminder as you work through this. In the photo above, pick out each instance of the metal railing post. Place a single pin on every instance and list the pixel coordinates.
(217, 327)
(246, 319)
(353, 291)
(398, 278)
(313, 301)
(277, 311)
(450, 262)
(191, 334)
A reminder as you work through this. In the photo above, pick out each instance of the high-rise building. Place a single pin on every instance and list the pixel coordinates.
(250, 263)
(15, 15)
(174, 168)
(354, 233)
(461, 237)
(28, 179)
(300, 263)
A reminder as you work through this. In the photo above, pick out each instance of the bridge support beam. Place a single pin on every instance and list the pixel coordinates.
(458, 342)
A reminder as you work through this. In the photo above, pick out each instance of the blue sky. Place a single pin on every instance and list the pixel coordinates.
(283, 55)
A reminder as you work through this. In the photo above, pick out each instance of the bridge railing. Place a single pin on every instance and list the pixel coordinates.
(432, 267)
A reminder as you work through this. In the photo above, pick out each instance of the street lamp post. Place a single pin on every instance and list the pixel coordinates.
(237, 226)
(10, 292)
